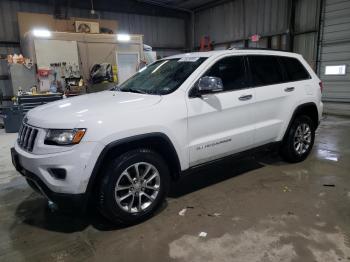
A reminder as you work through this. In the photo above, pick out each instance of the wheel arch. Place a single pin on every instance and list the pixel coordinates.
(309, 109)
(157, 142)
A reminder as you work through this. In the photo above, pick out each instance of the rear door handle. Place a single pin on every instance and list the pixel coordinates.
(245, 97)
(289, 89)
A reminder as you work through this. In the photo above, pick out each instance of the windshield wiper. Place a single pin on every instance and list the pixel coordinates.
(115, 88)
(132, 90)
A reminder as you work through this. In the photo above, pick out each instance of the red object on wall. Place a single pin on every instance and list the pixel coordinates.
(205, 44)
(44, 72)
(255, 38)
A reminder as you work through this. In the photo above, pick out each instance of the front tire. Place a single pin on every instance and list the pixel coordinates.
(134, 185)
(299, 140)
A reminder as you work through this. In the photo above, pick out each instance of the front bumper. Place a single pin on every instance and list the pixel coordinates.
(62, 200)
(78, 163)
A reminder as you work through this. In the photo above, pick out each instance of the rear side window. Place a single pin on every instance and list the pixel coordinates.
(232, 72)
(295, 71)
(265, 70)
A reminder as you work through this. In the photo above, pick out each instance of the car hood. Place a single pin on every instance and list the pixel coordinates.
(69, 113)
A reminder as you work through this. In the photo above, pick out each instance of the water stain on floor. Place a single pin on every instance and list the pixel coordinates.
(268, 241)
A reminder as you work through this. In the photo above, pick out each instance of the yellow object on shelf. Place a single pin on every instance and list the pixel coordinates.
(115, 73)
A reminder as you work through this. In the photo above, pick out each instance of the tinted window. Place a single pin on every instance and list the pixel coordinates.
(232, 72)
(265, 70)
(295, 71)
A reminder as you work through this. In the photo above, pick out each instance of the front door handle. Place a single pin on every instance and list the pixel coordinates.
(245, 97)
(289, 89)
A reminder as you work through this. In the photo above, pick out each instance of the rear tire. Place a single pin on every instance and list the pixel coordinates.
(299, 140)
(133, 187)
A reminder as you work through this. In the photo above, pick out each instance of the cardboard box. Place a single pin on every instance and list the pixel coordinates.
(29, 21)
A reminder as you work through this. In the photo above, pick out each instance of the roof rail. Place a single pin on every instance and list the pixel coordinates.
(257, 48)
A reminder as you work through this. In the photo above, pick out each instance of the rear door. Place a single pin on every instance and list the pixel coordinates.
(278, 89)
(222, 123)
(299, 86)
(270, 104)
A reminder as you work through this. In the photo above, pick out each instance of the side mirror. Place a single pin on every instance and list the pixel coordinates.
(210, 84)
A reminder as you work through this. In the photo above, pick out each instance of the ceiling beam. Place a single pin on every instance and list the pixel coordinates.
(118, 6)
(211, 4)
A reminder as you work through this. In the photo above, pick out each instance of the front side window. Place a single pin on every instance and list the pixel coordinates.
(295, 71)
(265, 70)
(163, 76)
(232, 72)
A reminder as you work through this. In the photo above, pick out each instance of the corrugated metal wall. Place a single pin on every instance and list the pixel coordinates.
(335, 49)
(306, 23)
(158, 31)
(239, 19)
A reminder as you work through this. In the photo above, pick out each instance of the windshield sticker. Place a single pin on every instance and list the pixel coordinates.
(188, 59)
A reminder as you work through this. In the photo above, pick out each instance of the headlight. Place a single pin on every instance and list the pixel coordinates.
(64, 136)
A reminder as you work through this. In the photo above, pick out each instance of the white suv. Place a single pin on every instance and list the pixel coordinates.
(122, 147)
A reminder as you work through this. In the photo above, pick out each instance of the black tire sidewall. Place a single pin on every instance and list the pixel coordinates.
(288, 150)
(108, 205)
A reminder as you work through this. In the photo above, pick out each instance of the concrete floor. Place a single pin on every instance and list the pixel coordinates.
(258, 209)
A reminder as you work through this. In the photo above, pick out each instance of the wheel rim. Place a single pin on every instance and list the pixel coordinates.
(137, 187)
(302, 138)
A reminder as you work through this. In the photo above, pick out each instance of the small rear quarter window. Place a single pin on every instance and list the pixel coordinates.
(294, 69)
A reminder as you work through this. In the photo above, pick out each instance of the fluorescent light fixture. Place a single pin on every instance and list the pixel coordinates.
(335, 70)
(123, 37)
(41, 33)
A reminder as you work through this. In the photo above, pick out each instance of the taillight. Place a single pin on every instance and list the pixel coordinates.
(321, 86)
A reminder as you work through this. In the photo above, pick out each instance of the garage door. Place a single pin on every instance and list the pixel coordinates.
(335, 51)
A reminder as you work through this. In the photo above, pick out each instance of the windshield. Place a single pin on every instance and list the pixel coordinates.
(162, 77)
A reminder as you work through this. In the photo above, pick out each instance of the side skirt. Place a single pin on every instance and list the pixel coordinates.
(270, 147)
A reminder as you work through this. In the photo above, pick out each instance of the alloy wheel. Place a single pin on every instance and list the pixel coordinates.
(302, 138)
(137, 187)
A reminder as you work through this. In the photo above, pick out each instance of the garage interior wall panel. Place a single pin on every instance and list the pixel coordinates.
(306, 45)
(222, 23)
(239, 19)
(306, 15)
(160, 32)
(335, 49)
(265, 17)
(306, 25)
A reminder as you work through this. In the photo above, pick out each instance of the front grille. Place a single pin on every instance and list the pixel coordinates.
(26, 137)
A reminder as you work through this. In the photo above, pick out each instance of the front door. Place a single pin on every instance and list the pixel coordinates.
(220, 124)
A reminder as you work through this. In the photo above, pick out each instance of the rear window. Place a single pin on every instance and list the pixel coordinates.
(294, 69)
(265, 70)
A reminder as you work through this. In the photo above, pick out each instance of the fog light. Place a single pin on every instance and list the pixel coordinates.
(58, 173)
